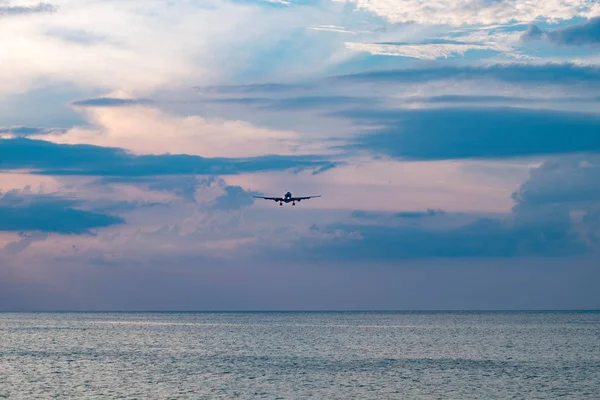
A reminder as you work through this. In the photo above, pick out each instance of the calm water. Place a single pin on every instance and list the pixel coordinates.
(300, 356)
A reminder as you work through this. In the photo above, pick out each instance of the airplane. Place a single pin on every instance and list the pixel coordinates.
(287, 198)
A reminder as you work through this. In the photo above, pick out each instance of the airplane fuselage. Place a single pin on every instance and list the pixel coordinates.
(287, 198)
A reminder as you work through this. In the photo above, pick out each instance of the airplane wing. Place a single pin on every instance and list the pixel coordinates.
(269, 198)
(304, 198)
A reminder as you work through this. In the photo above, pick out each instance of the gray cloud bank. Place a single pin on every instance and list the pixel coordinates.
(550, 73)
(35, 215)
(475, 133)
(556, 214)
(25, 131)
(58, 159)
(110, 102)
(25, 211)
(587, 32)
(25, 10)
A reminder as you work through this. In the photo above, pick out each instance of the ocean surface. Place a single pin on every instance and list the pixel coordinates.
(346, 355)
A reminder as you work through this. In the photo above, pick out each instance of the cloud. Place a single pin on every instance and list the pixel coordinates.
(219, 229)
(235, 197)
(181, 186)
(439, 43)
(571, 179)
(110, 102)
(24, 131)
(529, 74)
(158, 169)
(533, 32)
(564, 189)
(474, 12)
(424, 85)
(79, 36)
(26, 10)
(361, 214)
(587, 32)
(286, 3)
(271, 87)
(105, 46)
(298, 103)
(27, 239)
(203, 223)
(25, 211)
(426, 51)
(540, 82)
(484, 99)
(149, 130)
(191, 189)
(419, 214)
(57, 159)
(193, 283)
(332, 28)
(555, 214)
(476, 133)
(484, 238)
(416, 215)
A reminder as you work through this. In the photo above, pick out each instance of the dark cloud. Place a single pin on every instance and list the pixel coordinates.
(303, 95)
(587, 32)
(483, 238)
(110, 102)
(118, 207)
(562, 192)
(478, 99)
(550, 73)
(26, 240)
(476, 133)
(573, 179)
(61, 159)
(235, 197)
(514, 236)
(25, 211)
(253, 88)
(246, 101)
(25, 10)
(419, 214)
(533, 32)
(324, 167)
(541, 223)
(300, 103)
(360, 214)
(24, 131)
(324, 104)
(427, 41)
(491, 99)
(183, 186)
(584, 33)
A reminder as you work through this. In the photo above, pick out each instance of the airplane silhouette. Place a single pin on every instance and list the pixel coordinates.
(287, 198)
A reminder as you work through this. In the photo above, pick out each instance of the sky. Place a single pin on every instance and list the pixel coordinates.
(455, 143)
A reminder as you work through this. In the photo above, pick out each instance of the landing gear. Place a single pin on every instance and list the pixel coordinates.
(280, 204)
(293, 204)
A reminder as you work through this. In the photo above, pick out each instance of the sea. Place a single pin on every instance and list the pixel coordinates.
(300, 355)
